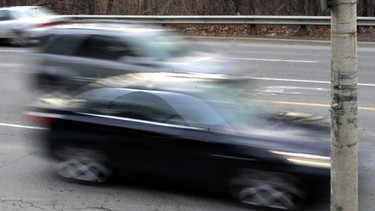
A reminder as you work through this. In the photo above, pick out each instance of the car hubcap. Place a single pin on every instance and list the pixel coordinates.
(83, 165)
(18, 39)
(266, 189)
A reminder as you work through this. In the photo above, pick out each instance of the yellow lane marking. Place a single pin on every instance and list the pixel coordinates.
(308, 104)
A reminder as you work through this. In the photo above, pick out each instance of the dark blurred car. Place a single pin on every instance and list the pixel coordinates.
(78, 54)
(24, 24)
(205, 131)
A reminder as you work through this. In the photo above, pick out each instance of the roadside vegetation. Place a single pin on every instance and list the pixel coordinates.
(212, 7)
(188, 7)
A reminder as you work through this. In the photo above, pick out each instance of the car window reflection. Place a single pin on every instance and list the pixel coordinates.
(145, 106)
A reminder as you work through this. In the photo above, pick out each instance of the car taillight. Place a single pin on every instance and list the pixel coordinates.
(41, 120)
(42, 25)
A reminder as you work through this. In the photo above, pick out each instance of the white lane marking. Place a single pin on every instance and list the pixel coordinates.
(14, 50)
(10, 65)
(21, 126)
(301, 81)
(289, 80)
(288, 90)
(276, 60)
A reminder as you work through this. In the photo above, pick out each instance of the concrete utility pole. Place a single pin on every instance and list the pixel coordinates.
(344, 134)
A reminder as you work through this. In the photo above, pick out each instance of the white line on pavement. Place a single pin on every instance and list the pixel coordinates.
(21, 126)
(301, 81)
(14, 50)
(10, 65)
(276, 60)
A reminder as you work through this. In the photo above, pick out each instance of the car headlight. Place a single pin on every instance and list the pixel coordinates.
(305, 159)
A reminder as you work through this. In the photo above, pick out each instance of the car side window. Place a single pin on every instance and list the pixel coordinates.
(145, 106)
(102, 47)
(62, 44)
(4, 15)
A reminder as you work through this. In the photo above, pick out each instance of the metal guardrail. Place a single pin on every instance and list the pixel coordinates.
(256, 20)
(253, 21)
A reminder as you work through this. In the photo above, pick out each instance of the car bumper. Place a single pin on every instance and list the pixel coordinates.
(37, 33)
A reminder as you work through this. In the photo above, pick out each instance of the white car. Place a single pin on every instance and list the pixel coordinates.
(23, 24)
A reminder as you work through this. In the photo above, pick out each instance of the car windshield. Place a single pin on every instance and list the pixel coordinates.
(164, 45)
(230, 97)
(234, 103)
(35, 12)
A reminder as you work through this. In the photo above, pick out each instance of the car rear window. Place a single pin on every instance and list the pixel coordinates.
(145, 106)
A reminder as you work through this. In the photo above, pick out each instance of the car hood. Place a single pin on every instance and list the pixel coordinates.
(201, 62)
(290, 132)
(295, 134)
(291, 125)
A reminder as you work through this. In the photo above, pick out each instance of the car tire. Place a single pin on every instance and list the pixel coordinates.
(83, 165)
(267, 189)
(18, 38)
(45, 82)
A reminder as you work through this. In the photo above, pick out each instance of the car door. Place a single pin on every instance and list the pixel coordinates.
(155, 139)
(56, 60)
(137, 135)
(102, 56)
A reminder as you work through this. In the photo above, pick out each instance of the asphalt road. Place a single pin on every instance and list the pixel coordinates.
(287, 75)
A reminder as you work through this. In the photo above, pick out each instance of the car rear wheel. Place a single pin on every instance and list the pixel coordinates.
(18, 38)
(266, 189)
(85, 165)
(45, 82)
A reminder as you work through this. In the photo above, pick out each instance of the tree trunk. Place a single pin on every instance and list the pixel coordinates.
(8, 3)
(252, 7)
(312, 7)
(110, 7)
(301, 7)
(91, 5)
(371, 9)
(143, 7)
(237, 4)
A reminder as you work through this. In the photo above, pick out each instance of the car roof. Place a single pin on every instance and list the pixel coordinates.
(19, 7)
(110, 93)
(184, 82)
(191, 108)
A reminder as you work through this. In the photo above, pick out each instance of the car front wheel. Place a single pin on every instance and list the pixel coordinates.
(85, 165)
(18, 38)
(266, 189)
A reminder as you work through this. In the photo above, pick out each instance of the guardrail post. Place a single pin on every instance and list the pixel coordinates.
(253, 30)
(303, 30)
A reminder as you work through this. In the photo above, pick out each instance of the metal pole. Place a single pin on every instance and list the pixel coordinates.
(344, 134)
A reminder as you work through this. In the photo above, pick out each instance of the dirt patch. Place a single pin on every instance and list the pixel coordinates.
(281, 32)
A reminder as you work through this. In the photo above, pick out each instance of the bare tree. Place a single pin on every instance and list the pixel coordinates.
(7, 3)
(188, 7)
(252, 7)
(109, 9)
(91, 6)
(237, 4)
